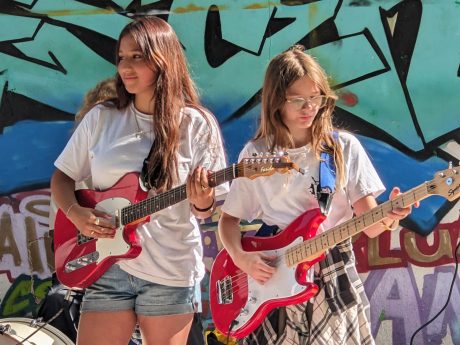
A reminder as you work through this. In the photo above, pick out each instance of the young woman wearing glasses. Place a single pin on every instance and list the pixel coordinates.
(296, 117)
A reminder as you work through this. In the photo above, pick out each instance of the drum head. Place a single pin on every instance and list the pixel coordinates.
(16, 329)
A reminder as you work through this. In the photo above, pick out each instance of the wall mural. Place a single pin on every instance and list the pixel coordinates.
(395, 65)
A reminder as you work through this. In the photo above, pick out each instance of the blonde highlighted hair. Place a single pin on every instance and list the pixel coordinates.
(282, 71)
(103, 91)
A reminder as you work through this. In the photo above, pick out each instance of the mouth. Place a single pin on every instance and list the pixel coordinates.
(129, 77)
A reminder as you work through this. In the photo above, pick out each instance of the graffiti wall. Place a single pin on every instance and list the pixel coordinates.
(394, 64)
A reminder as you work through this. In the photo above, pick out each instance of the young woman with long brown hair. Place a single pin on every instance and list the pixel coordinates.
(296, 117)
(156, 116)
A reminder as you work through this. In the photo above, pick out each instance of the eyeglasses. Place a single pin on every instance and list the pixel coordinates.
(316, 102)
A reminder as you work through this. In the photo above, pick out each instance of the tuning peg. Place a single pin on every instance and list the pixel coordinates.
(254, 154)
(450, 164)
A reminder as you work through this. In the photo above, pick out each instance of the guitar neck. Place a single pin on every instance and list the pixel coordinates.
(144, 208)
(328, 239)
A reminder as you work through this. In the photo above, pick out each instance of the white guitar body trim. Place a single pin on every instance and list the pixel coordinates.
(106, 247)
(282, 284)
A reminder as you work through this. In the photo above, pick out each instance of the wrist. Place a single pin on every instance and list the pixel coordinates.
(67, 212)
(205, 209)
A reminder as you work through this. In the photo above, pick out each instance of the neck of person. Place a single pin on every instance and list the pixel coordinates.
(144, 103)
(301, 138)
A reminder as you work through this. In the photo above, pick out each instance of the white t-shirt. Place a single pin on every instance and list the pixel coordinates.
(107, 145)
(280, 198)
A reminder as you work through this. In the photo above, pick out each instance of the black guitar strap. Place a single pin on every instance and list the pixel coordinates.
(144, 178)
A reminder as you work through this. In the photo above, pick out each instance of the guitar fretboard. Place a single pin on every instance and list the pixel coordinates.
(311, 248)
(144, 208)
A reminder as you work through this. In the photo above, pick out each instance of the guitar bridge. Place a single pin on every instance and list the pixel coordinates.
(82, 261)
(224, 290)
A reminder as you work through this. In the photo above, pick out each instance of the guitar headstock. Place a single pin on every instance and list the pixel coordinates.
(446, 183)
(266, 165)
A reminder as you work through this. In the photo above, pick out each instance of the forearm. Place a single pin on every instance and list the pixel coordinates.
(63, 190)
(230, 234)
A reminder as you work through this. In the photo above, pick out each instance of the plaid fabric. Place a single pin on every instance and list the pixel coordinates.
(340, 309)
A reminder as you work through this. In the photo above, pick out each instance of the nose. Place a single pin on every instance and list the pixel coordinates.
(124, 64)
(307, 104)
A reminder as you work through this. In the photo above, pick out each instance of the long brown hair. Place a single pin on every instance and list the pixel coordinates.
(282, 71)
(173, 90)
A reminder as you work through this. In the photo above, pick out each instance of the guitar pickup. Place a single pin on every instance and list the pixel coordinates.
(224, 290)
(82, 239)
(80, 262)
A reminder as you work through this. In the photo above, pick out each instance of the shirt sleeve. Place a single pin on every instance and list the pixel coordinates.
(208, 148)
(74, 160)
(362, 179)
(242, 200)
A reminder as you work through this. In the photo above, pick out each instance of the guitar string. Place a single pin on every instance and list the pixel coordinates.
(416, 194)
(162, 199)
(222, 173)
(302, 248)
(241, 276)
(240, 280)
(417, 191)
(159, 202)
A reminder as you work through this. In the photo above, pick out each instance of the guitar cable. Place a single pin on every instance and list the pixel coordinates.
(448, 297)
(233, 324)
(34, 322)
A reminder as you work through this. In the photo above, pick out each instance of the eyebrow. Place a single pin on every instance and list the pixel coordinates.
(130, 51)
(303, 96)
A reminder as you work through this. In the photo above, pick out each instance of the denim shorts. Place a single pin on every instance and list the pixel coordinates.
(118, 290)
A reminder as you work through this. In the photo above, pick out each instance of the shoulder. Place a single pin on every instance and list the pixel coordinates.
(347, 137)
(198, 119)
(349, 141)
(196, 115)
(253, 147)
(102, 109)
(355, 154)
(99, 115)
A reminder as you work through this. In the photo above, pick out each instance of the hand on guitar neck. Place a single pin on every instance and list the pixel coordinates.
(392, 217)
(81, 258)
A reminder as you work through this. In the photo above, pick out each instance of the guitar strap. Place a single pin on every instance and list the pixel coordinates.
(325, 190)
(327, 175)
(144, 178)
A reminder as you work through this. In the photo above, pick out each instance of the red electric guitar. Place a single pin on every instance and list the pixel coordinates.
(81, 260)
(239, 304)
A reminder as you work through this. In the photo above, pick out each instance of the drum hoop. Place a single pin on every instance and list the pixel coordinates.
(40, 326)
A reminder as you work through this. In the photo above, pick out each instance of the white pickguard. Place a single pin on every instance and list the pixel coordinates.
(281, 285)
(112, 246)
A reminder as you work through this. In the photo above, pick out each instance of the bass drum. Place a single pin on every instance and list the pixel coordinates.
(17, 330)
